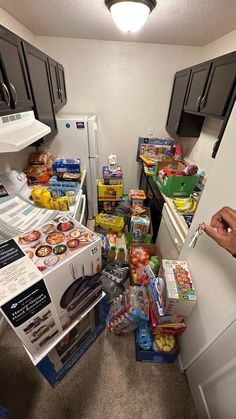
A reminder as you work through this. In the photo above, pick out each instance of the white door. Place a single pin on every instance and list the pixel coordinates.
(212, 378)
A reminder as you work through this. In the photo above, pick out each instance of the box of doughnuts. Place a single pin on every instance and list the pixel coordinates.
(49, 277)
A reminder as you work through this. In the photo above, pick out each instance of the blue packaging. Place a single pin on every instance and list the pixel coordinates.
(66, 165)
(4, 414)
(58, 362)
(54, 183)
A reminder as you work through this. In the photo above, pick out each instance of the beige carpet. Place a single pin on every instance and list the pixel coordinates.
(107, 383)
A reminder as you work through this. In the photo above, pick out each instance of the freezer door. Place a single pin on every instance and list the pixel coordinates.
(93, 136)
(93, 207)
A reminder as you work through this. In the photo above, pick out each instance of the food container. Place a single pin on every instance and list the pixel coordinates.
(109, 223)
(137, 196)
(109, 192)
(172, 185)
(139, 227)
(66, 165)
(181, 297)
(112, 177)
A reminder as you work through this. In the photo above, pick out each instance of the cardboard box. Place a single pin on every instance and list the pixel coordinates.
(181, 296)
(112, 177)
(48, 277)
(60, 359)
(109, 192)
(153, 146)
(176, 185)
(107, 206)
(137, 196)
(153, 356)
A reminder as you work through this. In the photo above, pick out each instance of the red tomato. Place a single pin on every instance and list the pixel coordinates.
(142, 258)
(134, 261)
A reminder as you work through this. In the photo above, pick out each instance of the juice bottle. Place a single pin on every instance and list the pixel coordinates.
(111, 254)
(36, 193)
(121, 253)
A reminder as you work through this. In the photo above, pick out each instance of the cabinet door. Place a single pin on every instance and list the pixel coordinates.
(5, 100)
(197, 84)
(55, 85)
(62, 84)
(220, 86)
(177, 100)
(38, 71)
(15, 71)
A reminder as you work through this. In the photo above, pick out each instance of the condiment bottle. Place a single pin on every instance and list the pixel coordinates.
(111, 254)
(121, 253)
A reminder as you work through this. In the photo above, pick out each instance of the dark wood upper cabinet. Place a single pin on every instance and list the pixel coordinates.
(220, 86)
(58, 86)
(39, 77)
(180, 123)
(196, 87)
(15, 89)
(55, 85)
(62, 82)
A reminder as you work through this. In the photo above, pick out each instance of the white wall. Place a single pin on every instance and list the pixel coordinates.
(212, 268)
(200, 150)
(15, 26)
(128, 85)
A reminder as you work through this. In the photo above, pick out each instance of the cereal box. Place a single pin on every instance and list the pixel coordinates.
(181, 296)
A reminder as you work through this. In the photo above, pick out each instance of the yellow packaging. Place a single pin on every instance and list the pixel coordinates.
(110, 223)
(63, 203)
(109, 192)
(45, 199)
(55, 205)
(36, 193)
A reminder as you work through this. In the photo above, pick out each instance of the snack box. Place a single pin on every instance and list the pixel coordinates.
(157, 295)
(112, 177)
(48, 278)
(60, 184)
(180, 292)
(59, 360)
(109, 192)
(107, 206)
(137, 196)
(147, 146)
(139, 227)
(105, 223)
(66, 165)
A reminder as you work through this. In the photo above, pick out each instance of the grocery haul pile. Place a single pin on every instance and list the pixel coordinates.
(55, 182)
(155, 305)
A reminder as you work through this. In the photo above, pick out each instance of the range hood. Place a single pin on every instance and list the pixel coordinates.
(19, 130)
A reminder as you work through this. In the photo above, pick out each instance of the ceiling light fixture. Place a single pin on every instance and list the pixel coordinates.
(130, 16)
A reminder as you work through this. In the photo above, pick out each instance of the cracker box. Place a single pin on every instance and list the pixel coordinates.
(48, 278)
(181, 296)
(66, 165)
(137, 196)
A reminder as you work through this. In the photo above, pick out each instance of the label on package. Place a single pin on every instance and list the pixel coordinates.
(27, 304)
(16, 270)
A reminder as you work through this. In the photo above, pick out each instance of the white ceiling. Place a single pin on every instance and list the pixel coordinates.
(181, 22)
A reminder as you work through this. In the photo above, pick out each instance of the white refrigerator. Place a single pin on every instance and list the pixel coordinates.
(78, 137)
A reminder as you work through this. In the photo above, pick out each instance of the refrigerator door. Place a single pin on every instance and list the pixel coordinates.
(72, 141)
(93, 136)
(93, 208)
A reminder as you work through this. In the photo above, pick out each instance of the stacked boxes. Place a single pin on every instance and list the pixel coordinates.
(110, 190)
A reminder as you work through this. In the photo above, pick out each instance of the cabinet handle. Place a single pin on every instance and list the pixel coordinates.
(14, 91)
(202, 103)
(8, 94)
(176, 127)
(197, 102)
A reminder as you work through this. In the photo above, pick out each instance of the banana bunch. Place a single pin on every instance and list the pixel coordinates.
(187, 205)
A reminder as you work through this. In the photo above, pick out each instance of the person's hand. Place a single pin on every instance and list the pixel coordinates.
(223, 229)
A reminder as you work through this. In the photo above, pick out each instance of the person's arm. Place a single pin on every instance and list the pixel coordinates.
(223, 229)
